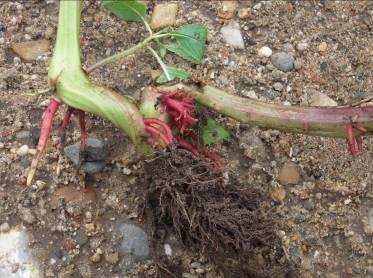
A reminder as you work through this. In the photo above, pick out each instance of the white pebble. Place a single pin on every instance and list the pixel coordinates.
(301, 46)
(168, 250)
(28, 37)
(126, 171)
(2, 145)
(22, 150)
(2, 40)
(44, 103)
(264, 51)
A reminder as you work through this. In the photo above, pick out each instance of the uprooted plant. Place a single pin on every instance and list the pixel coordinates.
(164, 117)
(147, 124)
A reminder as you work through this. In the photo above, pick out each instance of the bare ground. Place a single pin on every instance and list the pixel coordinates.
(325, 220)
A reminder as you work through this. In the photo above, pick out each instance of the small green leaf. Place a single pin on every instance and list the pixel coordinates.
(213, 133)
(190, 42)
(173, 72)
(129, 10)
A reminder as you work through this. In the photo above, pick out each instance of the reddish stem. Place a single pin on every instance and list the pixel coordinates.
(45, 129)
(83, 132)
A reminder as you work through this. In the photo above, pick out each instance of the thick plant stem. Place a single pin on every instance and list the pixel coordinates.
(319, 121)
(74, 88)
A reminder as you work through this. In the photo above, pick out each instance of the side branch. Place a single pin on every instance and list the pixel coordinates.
(318, 121)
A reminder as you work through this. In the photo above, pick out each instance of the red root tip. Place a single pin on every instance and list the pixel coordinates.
(45, 129)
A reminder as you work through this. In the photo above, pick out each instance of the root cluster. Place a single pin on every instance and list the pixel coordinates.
(219, 217)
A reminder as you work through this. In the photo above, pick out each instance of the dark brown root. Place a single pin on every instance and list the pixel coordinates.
(224, 219)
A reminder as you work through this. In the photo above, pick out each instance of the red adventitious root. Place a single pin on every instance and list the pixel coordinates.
(45, 129)
(179, 108)
(355, 143)
(83, 132)
(64, 124)
(155, 133)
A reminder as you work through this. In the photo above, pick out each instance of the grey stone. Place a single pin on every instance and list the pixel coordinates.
(134, 241)
(282, 61)
(95, 155)
(23, 134)
(81, 237)
(232, 35)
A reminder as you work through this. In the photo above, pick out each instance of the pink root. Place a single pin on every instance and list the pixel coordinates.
(64, 124)
(83, 132)
(179, 108)
(156, 133)
(355, 143)
(45, 129)
(165, 126)
(188, 146)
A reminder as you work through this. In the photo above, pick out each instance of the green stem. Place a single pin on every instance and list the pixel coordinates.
(74, 89)
(159, 60)
(319, 121)
(126, 52)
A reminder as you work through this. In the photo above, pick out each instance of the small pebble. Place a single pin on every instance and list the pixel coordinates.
(2, 145)
(164, 15)
(40, 184)
(264, 51)
(22, 151)
(301, 46)
(4, 227)
(112, 258)
(322, 47)
(278, 194)
(168, 250)
(23, 134)
(126, 171)
(278, 86)
(243, 13)
(282, 61)
(320, 99)
(289, 173)
(96, 257)
(228, 9)
(232, 35)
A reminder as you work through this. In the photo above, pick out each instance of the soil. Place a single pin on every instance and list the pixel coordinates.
(322, 221)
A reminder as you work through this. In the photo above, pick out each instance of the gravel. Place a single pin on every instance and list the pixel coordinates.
(283, 61)
(135, 241)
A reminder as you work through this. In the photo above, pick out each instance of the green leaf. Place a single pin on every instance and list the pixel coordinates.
(213, 133)
(129, 10)
(190, 42)
(173, 72)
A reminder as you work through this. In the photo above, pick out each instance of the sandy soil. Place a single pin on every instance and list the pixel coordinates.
(326, 217)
